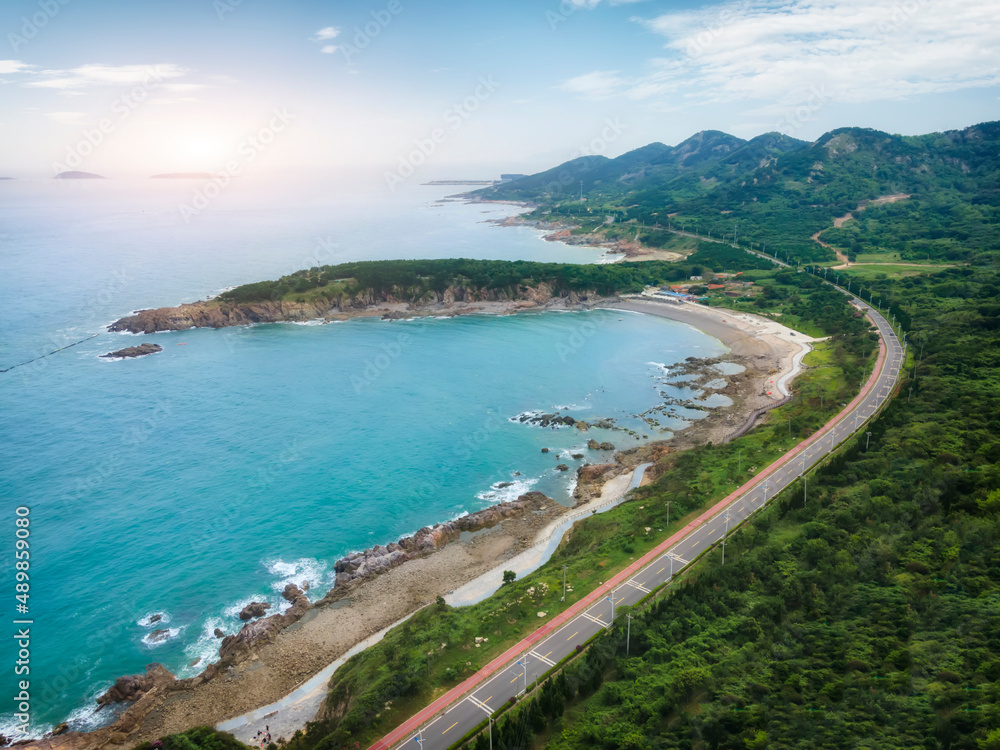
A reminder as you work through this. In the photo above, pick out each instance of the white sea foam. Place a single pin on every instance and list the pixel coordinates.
(205, 650)
(152, 641)
(233, 610)
(306, 569)
(516, 487)
(572, 407)
(146, 621)
(664, 370)
(525, 415)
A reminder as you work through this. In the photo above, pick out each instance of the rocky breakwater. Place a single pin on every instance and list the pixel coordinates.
(357, 567)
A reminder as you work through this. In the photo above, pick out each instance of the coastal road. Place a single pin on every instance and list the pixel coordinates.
(461, 709)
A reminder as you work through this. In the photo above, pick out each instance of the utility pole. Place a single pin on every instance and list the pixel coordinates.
(564, 584)
(612, 600)
(419, 739)
(739, 461)
(725, 536)
(868, 440)
(805, 483)
(668, 514)
(628, 633)
(491, 731)
(672, 556)
(767, 483)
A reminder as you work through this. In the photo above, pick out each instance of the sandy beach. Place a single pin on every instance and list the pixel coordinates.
(770, 354)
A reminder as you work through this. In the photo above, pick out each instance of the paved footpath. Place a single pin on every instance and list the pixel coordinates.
(465, 706)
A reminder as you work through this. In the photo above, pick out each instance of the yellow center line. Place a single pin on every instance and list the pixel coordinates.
(573, 636)
(661, 570)
(547, 655)
(449, 728)
(517, 677)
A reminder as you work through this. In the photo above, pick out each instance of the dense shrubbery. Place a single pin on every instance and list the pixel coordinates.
(414, 278)
(199, 738)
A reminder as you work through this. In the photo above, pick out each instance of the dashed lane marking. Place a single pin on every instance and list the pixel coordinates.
(450, 728)
(573, 636)
(542, 658)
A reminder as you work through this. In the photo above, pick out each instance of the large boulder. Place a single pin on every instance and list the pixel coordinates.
(593, 472)
(254, 609)
(132, 687)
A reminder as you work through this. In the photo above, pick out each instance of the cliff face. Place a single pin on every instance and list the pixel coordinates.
(218, 313)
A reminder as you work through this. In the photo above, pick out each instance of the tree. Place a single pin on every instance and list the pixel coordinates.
(509, 576)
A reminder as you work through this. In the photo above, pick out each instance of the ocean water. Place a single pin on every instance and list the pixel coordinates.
(167, 492)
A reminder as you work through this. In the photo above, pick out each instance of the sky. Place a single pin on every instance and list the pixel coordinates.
(467, 88)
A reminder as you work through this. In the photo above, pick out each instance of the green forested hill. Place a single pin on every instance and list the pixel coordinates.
(778, 192)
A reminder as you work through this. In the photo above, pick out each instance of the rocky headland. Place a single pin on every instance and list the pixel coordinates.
(455, 300)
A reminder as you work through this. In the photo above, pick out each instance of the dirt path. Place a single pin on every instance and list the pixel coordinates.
(841, 220)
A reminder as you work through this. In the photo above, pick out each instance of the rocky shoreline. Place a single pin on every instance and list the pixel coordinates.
(144, 693)
(455, 300)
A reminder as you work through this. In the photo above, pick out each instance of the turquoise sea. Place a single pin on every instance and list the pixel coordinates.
(187, 483)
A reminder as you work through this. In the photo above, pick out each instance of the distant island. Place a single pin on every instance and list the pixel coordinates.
(184, 176)
(73, 175)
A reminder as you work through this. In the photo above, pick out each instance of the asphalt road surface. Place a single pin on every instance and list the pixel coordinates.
(445, 728)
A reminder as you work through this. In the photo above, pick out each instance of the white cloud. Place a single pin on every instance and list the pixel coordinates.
(329, 49)
(68, 118)
(778, 51)
(327, 32)
(87, 76)
(600, 84)
(12, 66)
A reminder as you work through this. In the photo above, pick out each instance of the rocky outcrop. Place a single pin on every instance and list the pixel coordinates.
(237, 648)
(545, 420)
(218, 633)
(131, 688)
(590, 479)
(135, 351)
(220, 313)
(254, 609)
(359, 566)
